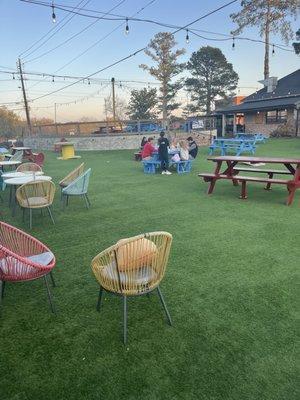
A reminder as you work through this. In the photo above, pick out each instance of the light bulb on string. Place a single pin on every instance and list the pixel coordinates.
(14, 76)
(233, 44)
(52, 78)
(187, 38)
(53, 13)
(89, 82)
(273, 50)
(126, 27)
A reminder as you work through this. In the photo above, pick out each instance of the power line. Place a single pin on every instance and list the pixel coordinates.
(55, 28)
(99, 40)
(136, 52)
(73, 36)
(104, 37)
(117, 17)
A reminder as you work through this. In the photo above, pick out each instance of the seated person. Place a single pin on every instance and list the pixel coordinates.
(183, 150)
(193, 147)
(173, 144)
(143, 142)
(148, 149)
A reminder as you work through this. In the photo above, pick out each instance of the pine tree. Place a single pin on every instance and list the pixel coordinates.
(142, 104)
(271, 17)
(297, 44)
(160, 49)
(212, 76)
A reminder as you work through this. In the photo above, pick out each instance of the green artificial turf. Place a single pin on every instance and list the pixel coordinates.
(230, 287)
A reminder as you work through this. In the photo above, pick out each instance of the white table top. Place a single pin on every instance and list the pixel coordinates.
(4, 163)
(15, 174)
(21, 148)
(25, 179)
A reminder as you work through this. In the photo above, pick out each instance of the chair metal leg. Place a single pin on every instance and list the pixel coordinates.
(49, 295)
(99, 298)
(63, 200)
(164, 305)
(52, 279)
(23, 214)
(86, 201)
(124, 319)
(67, 202)
(51, 216)
(30, 218)
(2, 285)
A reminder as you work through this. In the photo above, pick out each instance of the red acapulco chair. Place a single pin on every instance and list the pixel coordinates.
(24, 258)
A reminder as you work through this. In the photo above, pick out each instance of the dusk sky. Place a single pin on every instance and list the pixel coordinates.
(21, 24)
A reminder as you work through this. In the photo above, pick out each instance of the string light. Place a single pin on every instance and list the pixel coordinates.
(52, 78)
(233, 44)
(127, 27)
(53, 13)
(273, 50)
(14, 76)
(187, 38)
(89, 82)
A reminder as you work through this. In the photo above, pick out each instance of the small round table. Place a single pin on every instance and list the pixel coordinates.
(8, 164)
(14, 182)
(8, 175)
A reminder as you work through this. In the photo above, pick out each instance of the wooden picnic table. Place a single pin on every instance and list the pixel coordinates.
(231, 172)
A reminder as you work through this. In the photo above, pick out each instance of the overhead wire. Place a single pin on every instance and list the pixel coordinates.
(104, 37)
(117, 17)
(73, 36)
(137, 51)
(57, 28)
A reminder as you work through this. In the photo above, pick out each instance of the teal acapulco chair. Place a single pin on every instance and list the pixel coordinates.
(78, 187)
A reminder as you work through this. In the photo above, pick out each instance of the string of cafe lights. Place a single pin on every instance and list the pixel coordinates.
(73, 36)
(136, 52)
(116, 17)
(101, 39)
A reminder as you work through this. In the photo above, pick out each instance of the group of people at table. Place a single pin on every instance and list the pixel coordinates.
(184, 150)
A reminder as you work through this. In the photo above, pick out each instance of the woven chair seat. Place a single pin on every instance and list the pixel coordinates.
(12, 269)
(37, 202)
(141, 277)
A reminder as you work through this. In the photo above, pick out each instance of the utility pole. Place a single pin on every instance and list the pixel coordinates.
(113, 98)
(24, 96)
(55, 113)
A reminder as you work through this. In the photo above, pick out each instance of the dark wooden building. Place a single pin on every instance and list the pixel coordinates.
(275, 108)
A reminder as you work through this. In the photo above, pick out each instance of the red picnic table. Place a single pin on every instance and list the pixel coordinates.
(231, 171)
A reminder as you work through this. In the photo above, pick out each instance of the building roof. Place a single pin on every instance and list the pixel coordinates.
(286, 94)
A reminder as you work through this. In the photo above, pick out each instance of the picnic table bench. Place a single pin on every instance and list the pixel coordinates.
(232, 173)
(239, 146)
(182, 167)
(258, 137)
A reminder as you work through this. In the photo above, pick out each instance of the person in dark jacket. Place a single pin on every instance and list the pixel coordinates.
(163, 146)
(193, 147)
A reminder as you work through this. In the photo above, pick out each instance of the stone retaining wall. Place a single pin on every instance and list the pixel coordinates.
(112, 142)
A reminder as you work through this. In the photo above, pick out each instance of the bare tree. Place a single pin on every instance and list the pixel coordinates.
(121, 107)
(270, 16)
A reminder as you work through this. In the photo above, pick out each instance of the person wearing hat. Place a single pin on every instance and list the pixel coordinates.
(163, 146)
(193, 147)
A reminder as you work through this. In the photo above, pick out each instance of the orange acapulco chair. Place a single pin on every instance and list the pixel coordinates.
(36, 195)
(24, 258)
(29, 167)
(133, 267)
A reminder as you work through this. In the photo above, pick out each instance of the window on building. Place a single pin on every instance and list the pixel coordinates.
(276, 116)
